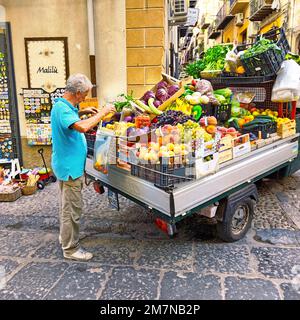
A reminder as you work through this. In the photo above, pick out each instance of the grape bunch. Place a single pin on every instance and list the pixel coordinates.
(190, 130)
(171, 117)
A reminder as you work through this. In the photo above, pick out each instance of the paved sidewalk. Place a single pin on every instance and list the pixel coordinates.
(135, 260)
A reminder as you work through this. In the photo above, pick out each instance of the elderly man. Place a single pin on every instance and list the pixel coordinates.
(68, 159)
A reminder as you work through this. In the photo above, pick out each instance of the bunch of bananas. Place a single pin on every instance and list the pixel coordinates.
(181, 105)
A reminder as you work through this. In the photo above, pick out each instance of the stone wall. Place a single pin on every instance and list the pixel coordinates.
(145, 29)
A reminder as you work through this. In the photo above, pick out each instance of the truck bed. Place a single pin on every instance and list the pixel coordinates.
(187, 196)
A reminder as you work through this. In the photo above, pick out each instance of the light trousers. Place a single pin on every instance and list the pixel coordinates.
(71, 205)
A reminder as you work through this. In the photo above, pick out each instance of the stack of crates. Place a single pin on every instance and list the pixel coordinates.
(286, 129)
(225, 149)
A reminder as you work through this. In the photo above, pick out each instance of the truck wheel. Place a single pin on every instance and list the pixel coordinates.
(236, 220)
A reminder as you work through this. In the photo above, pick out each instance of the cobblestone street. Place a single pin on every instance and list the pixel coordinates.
(135, 260)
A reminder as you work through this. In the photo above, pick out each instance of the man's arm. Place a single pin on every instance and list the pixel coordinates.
(91, 110)
(88, 124)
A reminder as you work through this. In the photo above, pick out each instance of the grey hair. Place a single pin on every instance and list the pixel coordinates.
(78, 83)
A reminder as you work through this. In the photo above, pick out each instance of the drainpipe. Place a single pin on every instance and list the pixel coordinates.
(91, 31)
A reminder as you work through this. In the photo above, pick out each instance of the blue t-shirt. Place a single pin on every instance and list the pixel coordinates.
(69, 148)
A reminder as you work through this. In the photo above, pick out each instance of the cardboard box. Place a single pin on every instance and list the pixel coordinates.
(204, 168)
(241, 145)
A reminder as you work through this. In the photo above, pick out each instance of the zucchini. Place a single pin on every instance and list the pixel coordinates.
(264, 117)
(152, 107)
(143, 106)
(234, 123)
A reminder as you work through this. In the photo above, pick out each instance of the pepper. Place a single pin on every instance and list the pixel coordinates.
(197, 112)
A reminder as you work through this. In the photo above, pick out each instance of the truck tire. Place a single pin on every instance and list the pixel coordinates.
(236, 220)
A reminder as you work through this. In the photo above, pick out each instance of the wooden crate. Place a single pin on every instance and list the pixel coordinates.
(225, 155)
(241, 145)
(225, 143)
(286, 129)
(260, 143)
(286, 126)
(180, 92)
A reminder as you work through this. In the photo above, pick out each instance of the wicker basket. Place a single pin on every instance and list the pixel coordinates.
(12, 196)
(29, 190)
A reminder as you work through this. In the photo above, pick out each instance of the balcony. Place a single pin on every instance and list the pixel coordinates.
(260, 9)
(213, 32)
(223, 16)
(204, 23)
(238, 6)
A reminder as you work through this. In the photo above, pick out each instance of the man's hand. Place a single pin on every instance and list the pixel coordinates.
(88, 124)
(109, 108)
(91, 110)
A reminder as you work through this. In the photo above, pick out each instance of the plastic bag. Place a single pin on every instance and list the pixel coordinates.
(287, 85)
(104, 150)
(231, 60)
(204, 86)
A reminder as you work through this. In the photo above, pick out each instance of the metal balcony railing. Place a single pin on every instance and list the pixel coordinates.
(212, 31)
(223, 16)
(260, 9)
(204, 23)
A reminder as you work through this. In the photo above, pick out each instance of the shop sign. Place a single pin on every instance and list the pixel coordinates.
(192, 17)
(47, 63)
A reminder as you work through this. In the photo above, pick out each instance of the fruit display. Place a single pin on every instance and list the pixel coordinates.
(172, 117)
(189, 128)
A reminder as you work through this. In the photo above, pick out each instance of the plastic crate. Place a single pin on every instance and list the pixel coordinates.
(90, 140)
(266, 130)
(222, 113)
(269, 62)
(163, 175)
(234, 78)
(263, 64)
(262, 90)
(278, 36)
